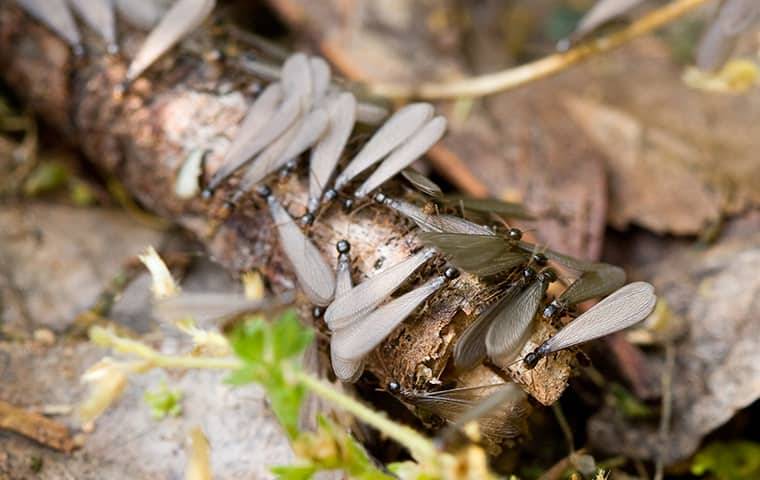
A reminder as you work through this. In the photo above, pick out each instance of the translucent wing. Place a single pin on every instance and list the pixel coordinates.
(204, 307)
(512, 325)
(55, 15)
(296, 138)
(602, 12)
(181, 19)
(489, 205)
(592, 284)
(99, 15)
(404, 155)
(482, 255)
(370, 293)
(143, 14)
(736, 16)
(345, 370)
(370, 114)
(627, 306)
(325, 156)
(320, 75)
(394, 131)
(258, 115)
(715, 47)
(435, 223)
(422, 183)
(360, 337)
(297, 80)
(285, 116)
(470, 348)
(314, 274)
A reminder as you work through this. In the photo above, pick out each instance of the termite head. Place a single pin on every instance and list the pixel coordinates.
(451, 273)
(264, 191)
(532, 359)
(330, 195)
(552, 310)
(380, 197)
(514, 234)
(394, 387)
(348, 204)
(317, 312)
(540, 259)
(307, 219)
(343, 246)
(528, 274)
(548, 275)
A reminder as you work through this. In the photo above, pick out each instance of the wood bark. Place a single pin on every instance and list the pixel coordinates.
(193, 99)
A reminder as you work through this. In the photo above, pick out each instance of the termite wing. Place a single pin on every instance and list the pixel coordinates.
(366, 296)
(406, 153)
(314, 275)
(99, 15)
(55, 15)
(422, 183)
(345, 370)
(180, 20)
(622, 309)
(458, 406)
(141, 13)
(482, 255)
(513, 325)
(602, 12)
(356, 340)
(429, 222)
(398, 128)
(204, 307)
(325, 155)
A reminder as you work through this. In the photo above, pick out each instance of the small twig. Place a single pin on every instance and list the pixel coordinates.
(32, 425)
(667, 408)
(514, 77)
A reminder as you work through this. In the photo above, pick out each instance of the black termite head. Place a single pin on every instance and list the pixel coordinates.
(548, 275)
(307, 219)
(539, 259)
(551, 312)
(532, 359)
(330, 195)
(380, 197)
(317, 312)
(528, 274)
(514, 234)
(343, 246)
(451, 273)
(348, 204)
(207, 193)
(394, 387)
(264, 191)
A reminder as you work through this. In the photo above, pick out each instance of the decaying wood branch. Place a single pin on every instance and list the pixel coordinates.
(193, 100)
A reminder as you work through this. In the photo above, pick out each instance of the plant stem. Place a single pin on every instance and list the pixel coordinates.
(106, 338)
(420, 447)
(514, 77)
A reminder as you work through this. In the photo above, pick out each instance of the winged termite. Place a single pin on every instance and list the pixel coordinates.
(399, 127)
(300, 136)
(314, 274)
(497, 424)
(181, 19)
(622, 309)
(143, 14)
(413, 148)
(204, 307)
(345, 370)
(720, 37)
(591, 284)
(422, 183)
(286, 115)
(470, 347)
(513, 325)
(99, 15)
(432, 222)
(366, 296)
(325, 155)
(55, 15)
(361, 336)
(258, 115)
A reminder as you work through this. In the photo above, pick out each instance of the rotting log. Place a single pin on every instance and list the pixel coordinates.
(194, 99)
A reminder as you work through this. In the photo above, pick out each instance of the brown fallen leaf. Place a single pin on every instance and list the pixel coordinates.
(41, 429)
(717, 366)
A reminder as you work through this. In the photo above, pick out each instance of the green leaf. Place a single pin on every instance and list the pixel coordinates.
(290, 336)
(250, 339)
(285, 400)
(295, 472)
(164, 402)
(45, 178)
(245, 375)
(728, 460)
